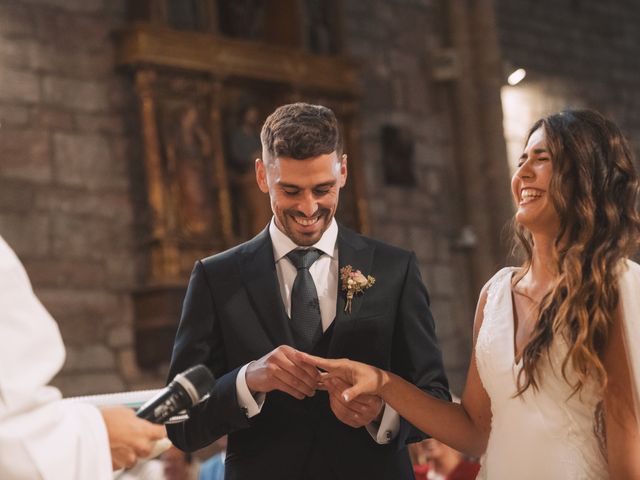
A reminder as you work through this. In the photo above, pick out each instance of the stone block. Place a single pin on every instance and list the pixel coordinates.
(72, 6)
(16, 196)
(65, 273)
(72, 385)
(393, 233)
(83, 315)
(82, 237)
(128, 366)
(441, 279)
(432, 182)
(13, 115)
(115, 206)
(71, 93)
(121, 95)
(89, 358)
(432, 155)
(14, 53)
(73, 32)
(78, 329)
(25, 155)
(378, 207)
(421, 242)
(19, 87)
(120, 336)
(102, 123)
(84, 65)
(150, 379)
(28, 234)
(52, 118)
(117, 7)
(121, 269)
(15, 20)
(446, 326)
(85, 161)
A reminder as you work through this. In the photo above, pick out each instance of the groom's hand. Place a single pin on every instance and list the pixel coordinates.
(358, 412)
(282, 370)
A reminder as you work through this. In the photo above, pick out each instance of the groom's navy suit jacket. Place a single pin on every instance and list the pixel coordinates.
(233, 313)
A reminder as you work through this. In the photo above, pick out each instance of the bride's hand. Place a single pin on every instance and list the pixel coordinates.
(364, 379)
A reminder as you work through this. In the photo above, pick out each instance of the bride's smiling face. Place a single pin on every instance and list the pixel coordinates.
(530, 187)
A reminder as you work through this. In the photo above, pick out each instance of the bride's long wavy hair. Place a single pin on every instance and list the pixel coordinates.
(594, 189)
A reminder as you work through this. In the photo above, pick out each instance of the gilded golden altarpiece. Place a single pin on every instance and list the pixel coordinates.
(197, 66)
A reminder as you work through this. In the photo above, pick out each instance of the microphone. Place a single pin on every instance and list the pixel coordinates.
(185, 390)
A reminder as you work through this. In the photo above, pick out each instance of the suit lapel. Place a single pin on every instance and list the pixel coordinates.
(261, 280)
(354, 251)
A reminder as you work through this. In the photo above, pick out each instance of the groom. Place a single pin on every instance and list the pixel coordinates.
(248, 310)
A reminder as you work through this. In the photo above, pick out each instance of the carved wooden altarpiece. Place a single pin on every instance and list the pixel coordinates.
(192, 79)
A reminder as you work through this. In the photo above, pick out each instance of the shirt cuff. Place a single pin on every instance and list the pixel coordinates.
(248, 403)
(388, 427)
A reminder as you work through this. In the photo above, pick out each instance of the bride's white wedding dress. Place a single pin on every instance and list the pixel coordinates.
(545, 434)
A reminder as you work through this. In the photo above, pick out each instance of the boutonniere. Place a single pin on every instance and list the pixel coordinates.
(354, 282)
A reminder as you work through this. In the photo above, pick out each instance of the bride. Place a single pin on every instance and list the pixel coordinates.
(552, 385)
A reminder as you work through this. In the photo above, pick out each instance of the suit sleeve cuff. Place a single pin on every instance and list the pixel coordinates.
(248, 403)
(387, 429)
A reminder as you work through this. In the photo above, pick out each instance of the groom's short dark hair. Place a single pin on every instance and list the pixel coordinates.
(299, 131)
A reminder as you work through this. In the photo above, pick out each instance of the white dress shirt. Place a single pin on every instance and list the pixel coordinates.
(41, 437)
(324, 272)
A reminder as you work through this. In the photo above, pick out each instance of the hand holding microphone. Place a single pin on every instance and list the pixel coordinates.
(131, 438)
(185, 390)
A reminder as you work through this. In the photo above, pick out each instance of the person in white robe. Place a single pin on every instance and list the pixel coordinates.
(41, 436)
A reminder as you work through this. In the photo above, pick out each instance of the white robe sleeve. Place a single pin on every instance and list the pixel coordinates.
(630, 298)
(41, 437)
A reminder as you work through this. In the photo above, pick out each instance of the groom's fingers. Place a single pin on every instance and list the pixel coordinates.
(323, 363)
(285, 384)
(275, 371)
(289, 375)
(304, 373)
(302, 368)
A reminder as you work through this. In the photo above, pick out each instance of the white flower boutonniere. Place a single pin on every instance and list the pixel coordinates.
(354, 282)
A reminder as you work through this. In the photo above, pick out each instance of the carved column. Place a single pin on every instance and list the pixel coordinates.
(164, 255)
(220, 169)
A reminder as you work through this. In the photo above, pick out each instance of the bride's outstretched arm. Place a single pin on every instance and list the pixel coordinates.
(464, 426)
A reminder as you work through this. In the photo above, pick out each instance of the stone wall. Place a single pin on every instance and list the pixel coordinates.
(578, 54)
(393, 41)
(67, 121)
(69, 139)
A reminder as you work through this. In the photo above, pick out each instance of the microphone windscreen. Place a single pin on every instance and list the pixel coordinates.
(201, 380)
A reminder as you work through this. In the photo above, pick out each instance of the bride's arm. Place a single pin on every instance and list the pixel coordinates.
(464, 426)
(621, 421)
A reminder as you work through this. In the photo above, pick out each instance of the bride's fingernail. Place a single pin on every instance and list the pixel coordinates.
(346, 397)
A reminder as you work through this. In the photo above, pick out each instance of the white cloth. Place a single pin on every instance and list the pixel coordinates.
(630, 298)
(41, 437)
(546, 433)
(324, 272)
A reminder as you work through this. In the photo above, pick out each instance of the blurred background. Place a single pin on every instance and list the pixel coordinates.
(128, 131)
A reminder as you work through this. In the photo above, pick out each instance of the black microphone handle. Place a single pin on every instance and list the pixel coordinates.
(165, 404)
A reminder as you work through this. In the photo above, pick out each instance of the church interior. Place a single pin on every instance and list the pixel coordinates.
(128, 131)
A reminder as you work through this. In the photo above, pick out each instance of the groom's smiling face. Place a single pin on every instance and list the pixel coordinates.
(304, 193)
